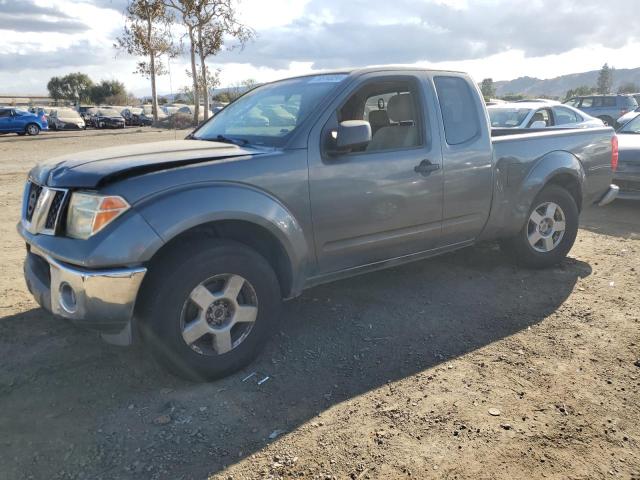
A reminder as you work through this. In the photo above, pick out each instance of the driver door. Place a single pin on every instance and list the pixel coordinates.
(384, 200)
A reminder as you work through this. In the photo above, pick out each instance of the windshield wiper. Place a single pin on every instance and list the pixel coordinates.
(235, 141)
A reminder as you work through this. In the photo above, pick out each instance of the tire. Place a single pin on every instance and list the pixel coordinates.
(553, 244)
(32, 129)
(169, 313)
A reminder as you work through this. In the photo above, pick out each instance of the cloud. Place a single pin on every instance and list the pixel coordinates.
(118, 5)
(27, 16)
(334, 33)
(81, 54)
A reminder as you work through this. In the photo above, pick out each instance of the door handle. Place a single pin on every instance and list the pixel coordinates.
(426, 167)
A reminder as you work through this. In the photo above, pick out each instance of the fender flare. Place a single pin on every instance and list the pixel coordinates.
(512, 209)
(173, 212)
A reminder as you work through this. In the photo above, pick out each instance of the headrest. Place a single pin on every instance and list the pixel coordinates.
(399, 108)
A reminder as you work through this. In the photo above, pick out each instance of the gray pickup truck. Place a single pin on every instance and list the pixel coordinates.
(191, 245)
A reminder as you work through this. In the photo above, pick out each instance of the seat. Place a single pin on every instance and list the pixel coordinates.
(377, 120)
(538, 117)
(403, 132)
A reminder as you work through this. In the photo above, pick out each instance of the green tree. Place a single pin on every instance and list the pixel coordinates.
(627, 87)
(75, 87)
(107, 91)
(487, 88)
(55, 89)
(605, 79)
(580, 91)
(147, 34)
(222, 97)
(209, 24)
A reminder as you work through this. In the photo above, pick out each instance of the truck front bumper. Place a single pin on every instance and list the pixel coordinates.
(101, 300)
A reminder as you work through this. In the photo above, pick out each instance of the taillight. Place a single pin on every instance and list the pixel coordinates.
(614, 153)
(624, 111)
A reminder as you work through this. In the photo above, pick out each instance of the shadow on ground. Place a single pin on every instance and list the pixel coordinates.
(74, 407)
(619, 219)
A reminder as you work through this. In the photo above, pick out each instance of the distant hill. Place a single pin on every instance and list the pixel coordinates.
(558, 86)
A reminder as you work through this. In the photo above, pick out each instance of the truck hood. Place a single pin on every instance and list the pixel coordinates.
(629, 148)
(95, 168)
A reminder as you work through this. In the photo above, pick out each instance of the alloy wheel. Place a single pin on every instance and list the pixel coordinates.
(546, 227)
(219, 314)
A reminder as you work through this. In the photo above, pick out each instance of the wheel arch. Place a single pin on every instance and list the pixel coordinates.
(26, 127)
(554, 168)
(234, 212)
(243, 232)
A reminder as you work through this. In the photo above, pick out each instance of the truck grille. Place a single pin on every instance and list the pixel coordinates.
(43, 208)
(32, 199)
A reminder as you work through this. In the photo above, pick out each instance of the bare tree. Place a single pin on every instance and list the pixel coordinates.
(209, 23)
(185, 9)
(147, 33)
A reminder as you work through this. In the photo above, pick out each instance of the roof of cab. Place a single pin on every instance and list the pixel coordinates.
(362, 71)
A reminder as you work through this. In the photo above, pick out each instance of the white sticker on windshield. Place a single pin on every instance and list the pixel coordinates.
(327, 78)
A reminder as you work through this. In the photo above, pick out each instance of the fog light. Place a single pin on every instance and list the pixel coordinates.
(68, 299)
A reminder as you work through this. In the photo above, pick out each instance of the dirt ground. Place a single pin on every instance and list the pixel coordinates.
(389, 375)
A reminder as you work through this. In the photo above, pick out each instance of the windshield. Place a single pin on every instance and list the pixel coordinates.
(632, 127)
(507, 117)
(270, 114)
(109, 112)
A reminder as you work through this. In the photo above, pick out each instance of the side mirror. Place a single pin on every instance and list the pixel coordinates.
(351, 134)
(539, 124)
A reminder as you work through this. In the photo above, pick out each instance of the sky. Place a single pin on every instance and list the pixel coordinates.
(501, 39)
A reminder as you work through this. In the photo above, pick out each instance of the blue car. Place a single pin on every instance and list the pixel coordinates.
(22, 122)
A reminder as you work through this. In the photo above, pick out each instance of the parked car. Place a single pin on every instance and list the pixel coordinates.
(536, 115)
(66, 119)
(85, 112)
(608, 108)
(41, 111)
(538, 100)
(190, 110)
(627, 175)
(627, 117)
(170, 109)
(107, 118)
(136, 116)
(194, 243)
(13, 120)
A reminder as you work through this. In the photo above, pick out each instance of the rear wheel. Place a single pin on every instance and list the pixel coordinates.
(549, 232)
(208, 314)
(32, 129)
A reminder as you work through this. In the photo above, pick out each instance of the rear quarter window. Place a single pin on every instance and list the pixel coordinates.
(458, 106)
(587, 102)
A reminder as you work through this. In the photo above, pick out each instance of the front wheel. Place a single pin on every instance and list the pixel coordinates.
(208, 314)
(549, 232)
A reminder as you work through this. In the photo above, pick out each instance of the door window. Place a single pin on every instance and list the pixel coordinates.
(458, 107)
(392, 109)
(565, 116)
(5, 113)
(541, 115)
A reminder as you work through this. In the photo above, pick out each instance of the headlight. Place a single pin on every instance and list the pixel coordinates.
(89, 213)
